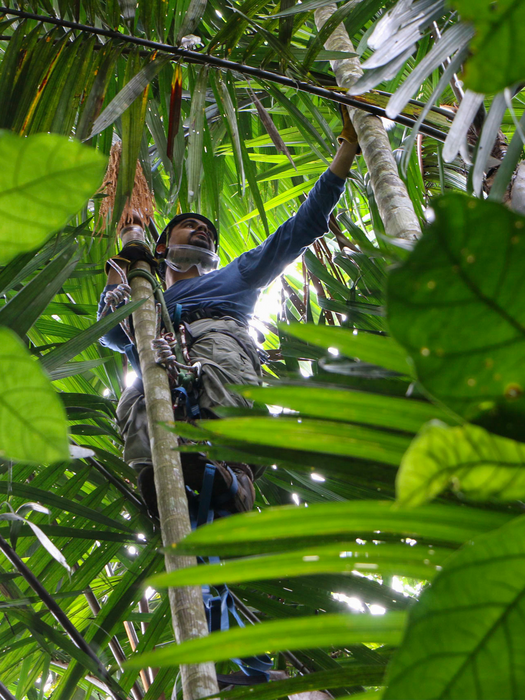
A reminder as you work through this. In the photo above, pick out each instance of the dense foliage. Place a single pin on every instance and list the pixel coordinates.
(396, 371)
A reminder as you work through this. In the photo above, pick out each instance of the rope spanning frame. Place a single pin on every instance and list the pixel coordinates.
(243, 69)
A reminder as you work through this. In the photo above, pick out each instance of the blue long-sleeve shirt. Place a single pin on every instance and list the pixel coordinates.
(234, 289)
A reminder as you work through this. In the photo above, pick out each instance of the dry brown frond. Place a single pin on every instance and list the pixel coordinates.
(140, 206)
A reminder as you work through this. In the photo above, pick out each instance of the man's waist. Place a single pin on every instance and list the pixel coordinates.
(208, 312)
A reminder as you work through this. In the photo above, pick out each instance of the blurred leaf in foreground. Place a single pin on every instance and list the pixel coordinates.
(470, 459)
(498, 49)
(278, 635)
(33, 425)
(44, 180)
(466, 633)
(456, 306)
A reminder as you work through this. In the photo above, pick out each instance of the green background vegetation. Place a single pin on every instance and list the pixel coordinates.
(400, 367)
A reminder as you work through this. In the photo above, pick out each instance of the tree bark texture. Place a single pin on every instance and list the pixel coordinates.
(393, 202)
(187, 609)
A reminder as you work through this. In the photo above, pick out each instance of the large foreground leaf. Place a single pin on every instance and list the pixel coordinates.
(367, 347)
(456, 306)
(296, 528)
(33, 425)
(44, 180)
(301, 633)
(347, 405)
(416, 562)
(465, 637)
(369, 675)
(468, 458)
(498, 48)
(308, 434)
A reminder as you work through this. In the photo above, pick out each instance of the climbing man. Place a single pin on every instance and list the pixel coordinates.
(215, 306)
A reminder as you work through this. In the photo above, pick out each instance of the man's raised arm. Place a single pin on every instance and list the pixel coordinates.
(263, 264)
(348, 148)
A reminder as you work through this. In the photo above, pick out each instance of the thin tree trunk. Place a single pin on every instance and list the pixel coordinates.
(393, 202)
(187, 610)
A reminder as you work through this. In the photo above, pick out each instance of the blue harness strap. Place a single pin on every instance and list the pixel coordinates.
(217, 614)
(177, 313)
(192, 407)
(218, 607)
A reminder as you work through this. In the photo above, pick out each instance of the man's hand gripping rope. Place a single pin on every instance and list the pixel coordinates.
(120, 295)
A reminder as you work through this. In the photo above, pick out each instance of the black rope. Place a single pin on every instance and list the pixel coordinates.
(206, 59)
(60, 616)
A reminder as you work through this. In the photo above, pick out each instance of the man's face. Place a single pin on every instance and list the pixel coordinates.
(192, 232)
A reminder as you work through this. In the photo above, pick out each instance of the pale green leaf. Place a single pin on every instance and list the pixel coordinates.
(402, 559)
(347, 405)
(33, 424)
(44, 180)
(467, 458)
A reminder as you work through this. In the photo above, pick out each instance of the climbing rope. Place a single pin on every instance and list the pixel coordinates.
(115, 297)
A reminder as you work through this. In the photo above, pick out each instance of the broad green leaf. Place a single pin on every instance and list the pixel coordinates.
(367, 347)
(369, 675)
(402, 559)
(467, 458)
(297, 528)
(44, 180)
(465, 637)
(455, 305)
(311, 435)
(498, 48)
(33, 425)
(278, 635)
(346, 405)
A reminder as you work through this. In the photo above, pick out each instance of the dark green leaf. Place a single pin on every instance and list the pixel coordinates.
(473, 613)
(498, 48)
(454, 305)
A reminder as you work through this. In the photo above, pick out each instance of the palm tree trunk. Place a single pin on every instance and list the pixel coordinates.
(187, 610)
(393, 202)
